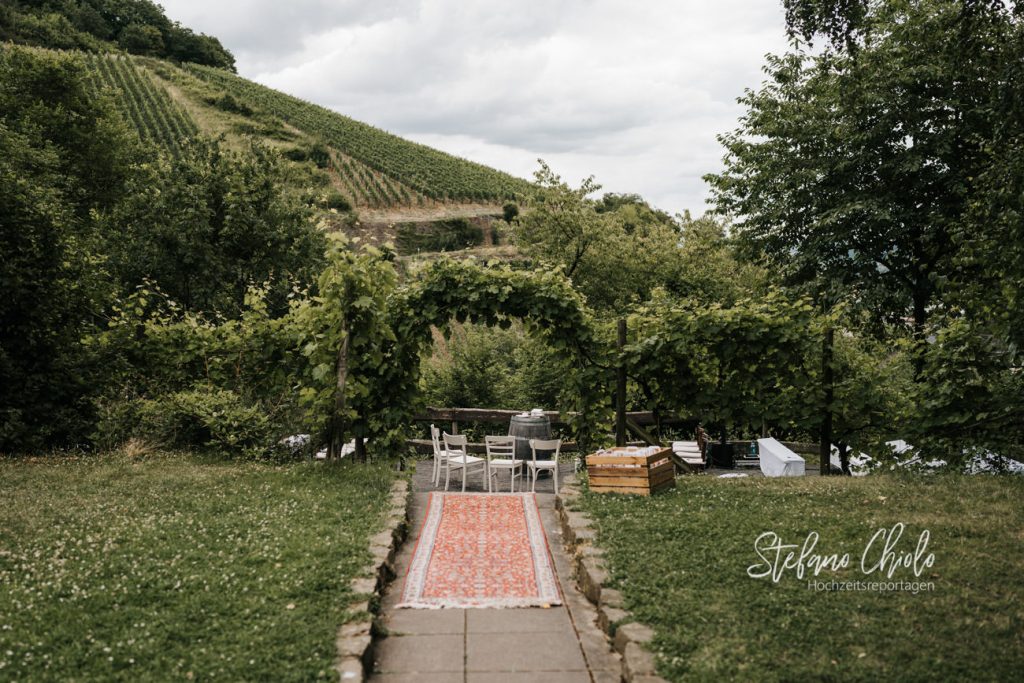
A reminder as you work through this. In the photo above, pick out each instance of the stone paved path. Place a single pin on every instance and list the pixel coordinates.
(556, 644)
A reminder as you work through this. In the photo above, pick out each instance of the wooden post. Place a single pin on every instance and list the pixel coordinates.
(620, 389)
(828, 382)
(360, 454)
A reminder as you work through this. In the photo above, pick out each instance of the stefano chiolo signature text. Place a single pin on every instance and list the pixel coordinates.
(884, 554)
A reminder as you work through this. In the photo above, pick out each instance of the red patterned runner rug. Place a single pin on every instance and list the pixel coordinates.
(481, 550)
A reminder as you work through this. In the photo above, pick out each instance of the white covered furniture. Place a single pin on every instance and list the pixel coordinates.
(458, 458)
(779, 461)
(689, 452)
(535, 465)
(501, 455)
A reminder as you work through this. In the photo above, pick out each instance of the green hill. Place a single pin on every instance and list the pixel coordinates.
(372, 169)
(172, 84)
(435, 174)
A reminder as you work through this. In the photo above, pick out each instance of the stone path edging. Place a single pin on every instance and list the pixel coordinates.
(355, 639)
(629, 637)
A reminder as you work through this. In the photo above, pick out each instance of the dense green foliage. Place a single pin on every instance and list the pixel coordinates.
(137, 26)
(383, 386)
(616, 251)
(494, 367)
(88, 215)
(681, 558)
(444, 235)
(734, 366)
(435, 174)
(881, 171)
(63, 157)
(179, 379)
(122, 568)
(209, 224)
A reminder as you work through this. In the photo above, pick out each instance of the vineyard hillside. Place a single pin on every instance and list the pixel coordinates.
(364, 180)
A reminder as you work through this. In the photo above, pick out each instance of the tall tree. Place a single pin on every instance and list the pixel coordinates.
(880, 169)
(64, 157)
(855, 166)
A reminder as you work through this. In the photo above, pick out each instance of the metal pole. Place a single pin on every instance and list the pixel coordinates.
(620, 389)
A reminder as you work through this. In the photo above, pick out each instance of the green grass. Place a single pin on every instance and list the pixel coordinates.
(175, 567)
(681, 560)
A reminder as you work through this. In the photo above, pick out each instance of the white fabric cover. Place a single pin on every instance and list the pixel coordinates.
(688, 451)
(779, 461)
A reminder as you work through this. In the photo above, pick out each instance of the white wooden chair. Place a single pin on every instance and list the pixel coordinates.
(501, 455)
(439, 454)
(458, 458)
(534, 465)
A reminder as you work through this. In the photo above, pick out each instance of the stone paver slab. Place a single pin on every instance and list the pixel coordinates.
(424, 621)
(421, 654)
(534, 620)
(524, 652)
(531, 677)
(446, 677)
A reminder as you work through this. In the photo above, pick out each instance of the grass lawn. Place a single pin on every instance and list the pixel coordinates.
(176, 567)
(682, 558)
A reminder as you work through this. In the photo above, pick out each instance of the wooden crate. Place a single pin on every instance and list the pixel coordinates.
(631, 470)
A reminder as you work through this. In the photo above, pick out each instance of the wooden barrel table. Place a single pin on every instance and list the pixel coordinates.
(526, 427)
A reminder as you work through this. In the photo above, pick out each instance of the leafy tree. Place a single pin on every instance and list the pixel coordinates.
(856, 167)
(141, 40)
(347, 336)
(493, 367)
(63, 157)
(880, 171)
(208, 225)
(733, 366)
(138, 26)
(615, 252)
(873, 393)
(710, 267)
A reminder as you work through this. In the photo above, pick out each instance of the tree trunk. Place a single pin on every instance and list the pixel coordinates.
(844, 457)
(337, 437)
(921, 296)
(620, 390)
(828, 384)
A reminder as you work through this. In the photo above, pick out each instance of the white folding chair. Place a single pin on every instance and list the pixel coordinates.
(501, 455)
(457, 457)
(534, 465)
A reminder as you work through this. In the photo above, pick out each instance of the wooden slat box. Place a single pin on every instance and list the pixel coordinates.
(631, 470)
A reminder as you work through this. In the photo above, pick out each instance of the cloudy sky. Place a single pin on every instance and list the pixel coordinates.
(631, 92)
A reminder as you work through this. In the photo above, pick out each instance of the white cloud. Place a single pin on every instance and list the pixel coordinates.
(633, 93)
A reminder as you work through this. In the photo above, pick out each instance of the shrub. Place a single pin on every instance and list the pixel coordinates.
(319, 155)
(449, 235)
(336, 200)
(299, 154)
(207, 417)
(204, 418)
(229, 104)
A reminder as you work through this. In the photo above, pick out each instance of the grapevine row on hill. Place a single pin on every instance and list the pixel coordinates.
(433, 173)
(157, 118)
(367, 187)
